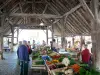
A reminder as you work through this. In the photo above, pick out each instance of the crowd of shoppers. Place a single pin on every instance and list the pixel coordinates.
(23, 52)
(25, 49)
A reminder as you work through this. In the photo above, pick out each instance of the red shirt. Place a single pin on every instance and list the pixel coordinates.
(28, 48)
(85, 56)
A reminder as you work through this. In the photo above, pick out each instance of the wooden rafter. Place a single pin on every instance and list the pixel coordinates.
(35, 15)
(81, 23)
(85, 6)
(3, 5)
(53, 8)
(33, 6)
(45, 9)
(70, 12)
(20, 6)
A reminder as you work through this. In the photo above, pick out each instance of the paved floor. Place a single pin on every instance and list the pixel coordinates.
(9, 65)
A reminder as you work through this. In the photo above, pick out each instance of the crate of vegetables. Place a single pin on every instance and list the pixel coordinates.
(55, 57)
(56, 66)
(38, 63)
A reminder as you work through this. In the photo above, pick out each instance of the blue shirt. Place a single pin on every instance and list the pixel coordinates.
(22, 53)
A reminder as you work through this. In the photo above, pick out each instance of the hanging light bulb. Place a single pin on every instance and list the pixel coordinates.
(41, 24)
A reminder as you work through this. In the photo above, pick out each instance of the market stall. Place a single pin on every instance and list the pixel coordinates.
(56, 63)
(37, 63)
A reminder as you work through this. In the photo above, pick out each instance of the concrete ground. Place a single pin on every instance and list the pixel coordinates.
(9, 65)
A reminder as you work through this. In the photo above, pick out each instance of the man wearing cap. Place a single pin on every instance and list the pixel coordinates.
(23, 57)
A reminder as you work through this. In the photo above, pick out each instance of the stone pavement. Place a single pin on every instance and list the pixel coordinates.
(9, 65)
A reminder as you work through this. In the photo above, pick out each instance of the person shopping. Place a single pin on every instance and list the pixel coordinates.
(54, 45)
(33, 45)
(29, 47)
(23, 57)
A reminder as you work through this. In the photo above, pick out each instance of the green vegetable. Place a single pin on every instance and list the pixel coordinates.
(60, 59)
(39, 62)
(72, 62)
(60, 73)
(82, 71)
(83, 65)
(94, 72)
(90, 72)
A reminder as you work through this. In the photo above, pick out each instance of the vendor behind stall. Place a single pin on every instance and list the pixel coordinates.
(33, 45)
(86, 55)
(43, 43)
(54, 45)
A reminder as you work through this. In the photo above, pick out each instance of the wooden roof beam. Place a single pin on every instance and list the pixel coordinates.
(33, 6)
(34, 25)
(70, 12)
(34, 15)
(45, 8)
(20, 6)
(3, 5)
(85, 6)
(35, 2)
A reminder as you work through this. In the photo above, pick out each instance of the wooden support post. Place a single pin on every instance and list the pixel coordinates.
(95, 34)
(1, 46)
(63, 41)
(57, 40)
(17, 35)
(73, 40)
(47, 35)
(81, 42)
(63, 33)
(12, 39)
(52, 32)
(66, 43)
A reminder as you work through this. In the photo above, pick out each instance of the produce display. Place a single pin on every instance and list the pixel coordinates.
(69, 72)
(59, 73)
(51, 67)
(41, 62)
(35, 55)
(66, 61)
(56, 66)
(76, 68)
(61, 64)
(52, 62)
(55, 57)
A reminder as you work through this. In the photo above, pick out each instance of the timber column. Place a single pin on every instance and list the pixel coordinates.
(63, 40)
(47, 35)
(1, 46)
(95, 33)
(17, 35)
(52, 31)
(12, 39)
(73, 39)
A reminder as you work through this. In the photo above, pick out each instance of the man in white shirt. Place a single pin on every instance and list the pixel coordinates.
(54, 45)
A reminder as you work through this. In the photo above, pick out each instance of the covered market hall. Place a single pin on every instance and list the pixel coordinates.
(49, 37)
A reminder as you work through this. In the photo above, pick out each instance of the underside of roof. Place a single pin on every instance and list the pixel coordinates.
(71, 16)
